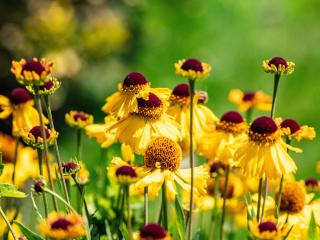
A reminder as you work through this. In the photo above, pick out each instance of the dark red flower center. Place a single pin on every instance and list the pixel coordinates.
(133, 79)
(19, 95)
(267, 226)
(61, 223)
(232, 116)
(278, 61)
(154, 231)
(32, 65)
(47, 85)
(36, 132)
(248, 96)
(263, 125)
(80, 115)
(153, 101)
(38, 186)
(192, 64)
(126, 171)
(292, 124)
(216, 166)
(181, 90)
(69, 167)
(311, 182)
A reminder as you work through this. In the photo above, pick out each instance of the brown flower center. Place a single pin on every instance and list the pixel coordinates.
(181, 90)
(19, 95)
(80, 116)
(267, 226)
(231, 122)
(134, 79)
(192, 64)
(153, 231)
(311, 182)
(293, 197)
(32, 65)
(61, 223)
(292, 124)
(126, 171)
(36, 132)
(163, 153)
(248, 96)
(277, 61)
(47, 85)
(151, 108)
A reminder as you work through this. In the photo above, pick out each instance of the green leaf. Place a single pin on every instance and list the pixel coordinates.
(312, 231)
(1, 164)
(197, 235)
(124, 231)
(10, 191)
(180, 218)
(27, 232)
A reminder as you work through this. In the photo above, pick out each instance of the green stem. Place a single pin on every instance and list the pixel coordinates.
(225, 195)
(129, 226)
(81, 191)
(146, 213)
(274, 96)
(15, 159)
(46, 150)
(8, 224)
(259, 198)
(249, 114)
(52, 193)
(164, 207)
(56, 148)
(191, 94)
(45, 202)
(277, 210)
(79, 144)
(265, 194)
(215, 207)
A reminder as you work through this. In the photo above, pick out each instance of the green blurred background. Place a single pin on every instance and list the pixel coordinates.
(95, 43)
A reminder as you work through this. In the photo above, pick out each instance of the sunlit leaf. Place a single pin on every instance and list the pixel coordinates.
(10, 191)
(30, 235)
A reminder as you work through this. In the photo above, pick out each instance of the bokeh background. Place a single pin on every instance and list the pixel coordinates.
(95, 43)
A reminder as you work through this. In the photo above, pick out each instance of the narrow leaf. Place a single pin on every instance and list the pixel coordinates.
(312, 231)
(10, 191)
(30, 235)
(180, 218)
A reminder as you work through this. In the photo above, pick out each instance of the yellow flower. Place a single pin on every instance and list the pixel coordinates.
(11, 215)
(59, 225)
(99, 131)
(32, 71)
(48, 88)
(153, 231)
(219, 145)
(278, 65)
(162, 160)
(34, 137)
(179, 109)
(134, 86)
(127, 153)
(292, 129)
(78, 119)
(192, 69)
(263, 152)
(247, 100)
(268, 229)
(139, 128)
(20, 105)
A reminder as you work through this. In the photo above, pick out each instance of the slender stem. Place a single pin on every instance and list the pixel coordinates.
(164, 207)
(225, 195)
(277, 210)
(46, 150)
(81, 191)
(215, 207)
(15, 159)
(264, 196)
(129, 226)
(56, 148)
(45, 202)
(274, 97)
(249, 114)
(191, 94)
(8, 224)
(259, 198)
(146, 213)
(79, 144)
(52, 193)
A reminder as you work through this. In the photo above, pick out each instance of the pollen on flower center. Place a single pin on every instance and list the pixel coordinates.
(293, 197)
(263, 125)
(292, 124)
(134, 79)
(36, 132)
(192, 64)
(153, 231)
(248, 96)
(278, 61)
(19, 95)
(61, 223)
(267, 226)
(32, 65)
(127, 171)
(163, 153)
(151, 108)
